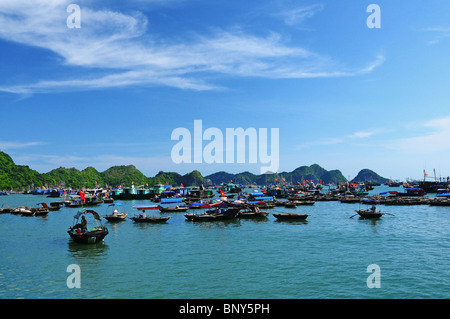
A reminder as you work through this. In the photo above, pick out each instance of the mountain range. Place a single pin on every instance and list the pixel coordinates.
(18, 177)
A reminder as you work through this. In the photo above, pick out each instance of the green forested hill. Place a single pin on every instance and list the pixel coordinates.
(19, 177)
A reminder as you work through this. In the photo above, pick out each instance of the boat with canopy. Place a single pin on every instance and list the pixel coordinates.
(82, 234)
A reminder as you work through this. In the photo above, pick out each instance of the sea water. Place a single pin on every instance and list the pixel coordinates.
(326, 256)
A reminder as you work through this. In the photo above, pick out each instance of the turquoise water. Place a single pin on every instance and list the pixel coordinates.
(324, 257)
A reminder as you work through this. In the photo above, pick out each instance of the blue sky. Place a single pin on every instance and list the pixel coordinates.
(343, 95)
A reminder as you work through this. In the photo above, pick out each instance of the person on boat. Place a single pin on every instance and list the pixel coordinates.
(256, 209)
(143, 215)
(82, 225)
(115, 212)
(373, 209)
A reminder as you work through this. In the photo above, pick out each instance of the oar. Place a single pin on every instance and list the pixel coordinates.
(353, 216)
(389, 214)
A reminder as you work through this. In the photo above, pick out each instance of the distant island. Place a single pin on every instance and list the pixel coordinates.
(19, 177)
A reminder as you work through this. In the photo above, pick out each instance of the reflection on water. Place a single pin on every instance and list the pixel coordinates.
(87, 250)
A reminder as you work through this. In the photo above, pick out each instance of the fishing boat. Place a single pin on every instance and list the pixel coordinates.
(304, 202)
(290, 216)
(150, 219)
(82, 234)
(350, 200)
(22, 210)
(55, 205)
(367, 213)
(290, 204)
(143, 218)
(214, 215)
(116, 214)
(370, 213)
(176, 209)
(5, 210)
(40, 211)
(252, 212)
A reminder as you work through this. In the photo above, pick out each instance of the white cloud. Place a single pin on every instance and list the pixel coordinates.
(5, 145)
(297, 15)
(115, 49)
(435, 140)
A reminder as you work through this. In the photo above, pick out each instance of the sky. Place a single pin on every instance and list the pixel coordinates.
(109, 86)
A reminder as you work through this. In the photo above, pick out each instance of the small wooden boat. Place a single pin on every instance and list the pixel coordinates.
(349, 200)
(54, 205)
(290, 205)
(39, 211)
(5, 210)
(115, 215)
(290, 216)
(151, 219)
(367, 213)
(174, 209)
(370, 213)
(252, 212)
(87, 235)
(305, 202)
(230, 213)
(22, 210)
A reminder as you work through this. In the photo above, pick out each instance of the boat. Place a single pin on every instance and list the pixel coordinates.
(290, 216)
(174, 209)
(40, 211)
(87, 235)
(5, 210)
(115, 215)
(23, 210)
(350, 200)
(55, 205)
(214, 215)
(370, 213)
(252, 212)
(150, 219)
(108, 200)
(304, 202)
(143, 218)
(52, 206)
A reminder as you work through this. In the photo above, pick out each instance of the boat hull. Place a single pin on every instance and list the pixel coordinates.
(117, 218)
(366, 214)
(290, 216)
(152, 219)
(90, 237)
(228, 214)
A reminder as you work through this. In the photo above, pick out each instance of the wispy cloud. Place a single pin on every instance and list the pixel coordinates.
(297, 15)
(8, 145)
(439, 34)
(351, 138)
(436, 139)
(115, 50)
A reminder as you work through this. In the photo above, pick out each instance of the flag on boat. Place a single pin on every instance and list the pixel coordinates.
(83, 196)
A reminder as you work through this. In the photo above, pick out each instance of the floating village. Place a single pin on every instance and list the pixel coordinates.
(218, 203)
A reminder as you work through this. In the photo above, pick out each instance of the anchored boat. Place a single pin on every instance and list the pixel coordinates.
(117, 214)
(290, 216)
(143, 218)
(82, 234)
